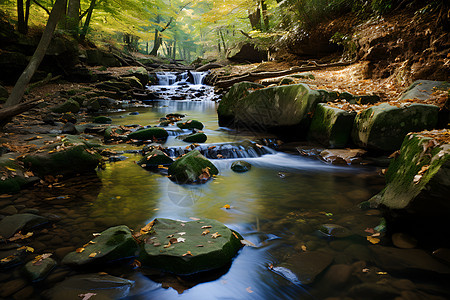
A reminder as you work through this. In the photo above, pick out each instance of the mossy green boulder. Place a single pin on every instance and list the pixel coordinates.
(198, 137)
(331, 126)
(418, 180)
(189, 247)
(240, 166)
(102, 120)
(140, 73)
(154, 159)
(226, 108)
(284, 109)
(68, 106)
(37, 270)
(192, 167)
(151, 133)
(66, 160)
(384, 126)
(112, 244)
(133, 82)
(12, 175)
(190, 124)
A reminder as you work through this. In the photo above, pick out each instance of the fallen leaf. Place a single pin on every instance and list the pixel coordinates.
(93, 254)
(373, 240)
(199, 246)
(303, 248)
(417, 179)
(168, 245)
(96, 234)
(205, 232)
(235, 235)
(370, 230)
(188, 253)
(227, 206)
(206, 226)
(26, 248)
(7, 259)
(249, 290)
(40, 258)
(423, 169)
(136, 264)
(181, 233)
(173, 240)
(102, 273)
(180, 240)
(376, 234)
(20, 236)
(86, 296)
(194, 219)
(156, 244)
(365, 270)
(247, 243)
(169, 236)
(215, 235)
(147, 228)
(382, 273)
(79, 250)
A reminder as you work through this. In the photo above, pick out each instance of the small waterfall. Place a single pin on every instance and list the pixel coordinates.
(166, 78)
(173, 78)
(244, 149)
(198, 77)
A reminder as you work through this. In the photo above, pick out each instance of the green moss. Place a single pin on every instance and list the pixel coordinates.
(68, 106)
(198, 137)
(102, 120)
(155, 158)
(190, 124)
(149, 134)
(189, 167)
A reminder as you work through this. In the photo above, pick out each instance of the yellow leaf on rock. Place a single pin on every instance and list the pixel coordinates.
(79, 250)
(373, 240)
(93, 254)
(205, 232)
(26, 248)
(227, 206)
(215, 235)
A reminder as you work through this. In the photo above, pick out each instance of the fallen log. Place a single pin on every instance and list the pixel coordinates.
(6, 114)
(252, 76)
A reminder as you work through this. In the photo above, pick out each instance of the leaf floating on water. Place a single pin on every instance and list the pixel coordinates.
(79, 250)
(136, 264)
(226, 206)
(247, 243)
(249, 290)
(188, 253)
(205, 232)
(373, 240)
(215, 235)
(7, 259)
(86, 296)
(93, 254)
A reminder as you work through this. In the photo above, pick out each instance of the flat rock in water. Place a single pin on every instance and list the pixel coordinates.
(406, 260)
(189, 247)
(334, 230)
(307, 265)
(154, 159)
(151, 133)
(198, 137)
(12, 224)
(191, 124)
(240, 166)
(192, 167)
(102, 286)
(39, 269)
(112, 244)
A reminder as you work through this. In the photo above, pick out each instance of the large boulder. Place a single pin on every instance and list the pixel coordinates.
(423, 89)
(189, 247)
(68, 106)
(246, 53)
(286, 110)
(191, 124)
(331, 126)
(419, 178)
(151, 133)
(230, 100)
(65, 160)
(197, 137)
(20, 222)
(96, 57)
(192, 167)
(112, 244)
(384, 126)
(97, 286)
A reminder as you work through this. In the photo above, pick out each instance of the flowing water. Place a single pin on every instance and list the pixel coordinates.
(278, 206)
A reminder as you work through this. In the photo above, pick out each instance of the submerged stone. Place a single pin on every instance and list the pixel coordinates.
(192, 167)
(13, 173)
(240, 166)
(384, 126)
(112, 244)
(331, 126)
(20, 222)
(101, 286)
(190, 124)
(151, 133)
(102, 120)
(38, 270)
(334, 230)
(155, 158)
(193, 247)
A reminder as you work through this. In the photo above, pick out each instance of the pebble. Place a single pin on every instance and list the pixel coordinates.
(403, 241)
(9, 210)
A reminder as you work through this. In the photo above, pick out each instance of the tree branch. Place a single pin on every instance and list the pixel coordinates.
(41, 6)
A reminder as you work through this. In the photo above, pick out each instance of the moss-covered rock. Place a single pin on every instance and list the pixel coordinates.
(423, 89)
(287, 80)
(12, 175)
(113, 86)
(240, 166)
(418, 180)
(151, 133)
(112, 244)
(39, 269)
(133, 82)
(384, 126)
(154, 159)
(192, 167)
(198, 137)
(331, 126)
(68, 106)
(191, 124)
(278, 108)
(140, 73)
(20, 222)
(193, 247)
(68, 160)
(102, 120)
(226, 108)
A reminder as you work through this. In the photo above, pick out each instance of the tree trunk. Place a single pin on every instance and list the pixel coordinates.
(73, 17)
(265, 16)
(21, 26)
(27, 13)
(24, 79)
(174, 51)
(255, 19)
(223, 42)
(87, 20)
